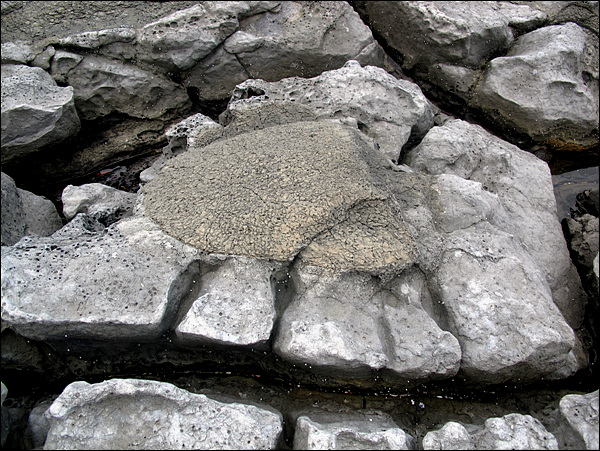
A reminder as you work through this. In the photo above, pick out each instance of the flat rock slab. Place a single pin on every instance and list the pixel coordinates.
(270, 193)
(88, 284)
(142, 414)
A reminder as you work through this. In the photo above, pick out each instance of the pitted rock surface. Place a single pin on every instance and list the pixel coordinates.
(270, 193)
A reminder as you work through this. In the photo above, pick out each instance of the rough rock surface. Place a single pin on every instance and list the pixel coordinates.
(523, 185)
(512, 431)
(124, 413)
(100, 202)
(390, 110)
(81, 276)
(35, 111)
(25, 213)
(556, 103)
(372, 430)
(579, 414)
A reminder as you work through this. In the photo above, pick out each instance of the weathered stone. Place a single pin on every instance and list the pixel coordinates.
(330, 159)
(579, 418)
(125, 283)
(100, 202)
(24, 213)
(372, 430)
(123, 413)
(235, 304)
(540, 90)
(38, 425)
(387, 109)
(523, 185)
(35, 111)
(17, 53)
(103, 86)
(512, 431)
(348, 324)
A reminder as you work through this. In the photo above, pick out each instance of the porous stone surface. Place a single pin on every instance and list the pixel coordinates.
(370, 430)
(100, 202)
(539, 88)
(524, 188)
(579, 418)
(512, 431)
(13, 222)
(235, 304)
(122, 284)
(387, 109)
(329, 158)
(35, 111)
(124, 413)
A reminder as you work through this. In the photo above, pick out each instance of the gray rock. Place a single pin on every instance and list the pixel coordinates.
(373, 430)
(38, 425)
(18, 52)
(387, 109)
(348, 324)
(62, 63)
(181, 39)
(197, 130)
(123, 413)
(4, 392)
(523, 185)
(579, 418)
(100, 202)
(512, 431)
(103, 86)
(125, 283)
(583, 234)
(35, 111)
(595, 266)
(540, 90)
(25, 213)
(235, 305)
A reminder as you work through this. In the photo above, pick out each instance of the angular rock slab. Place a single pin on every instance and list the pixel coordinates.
(83, 283)
(35, 111)
(523, 185)
(300, 180)
(133, 413)
(387, 109)
(100, 202)
(579, 414)
(540, 90)
(512, 431)
(235, 306)
(374, 430)
(345, 323)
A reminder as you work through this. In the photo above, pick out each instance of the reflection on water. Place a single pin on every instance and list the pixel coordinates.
(569, 184)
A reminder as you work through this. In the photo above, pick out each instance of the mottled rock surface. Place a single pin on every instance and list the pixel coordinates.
(123, 413)
(579, 415)
(100, 202)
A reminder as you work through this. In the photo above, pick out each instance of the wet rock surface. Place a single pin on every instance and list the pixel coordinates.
(309, 253)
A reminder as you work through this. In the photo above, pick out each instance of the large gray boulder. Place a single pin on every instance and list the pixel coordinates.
(524, 188)
(542, 88)
(124, 413)
(25, 213)
(578, 415)
(82, 282)
(35, 111)
(387, 109)
(512, 431)
(368, 430)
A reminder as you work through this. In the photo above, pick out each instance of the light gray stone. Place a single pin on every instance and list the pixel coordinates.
(579, 418)
(18, 52)
(386, 109)
(62, 63)
(373, 430)
(523, 185)
(539, 88)
(35, 111)
(124, 413)
(4, 392)
(25, 213)
(512, 431)
(84, 282)
(103, 86)
(235, 305)
(348, 324)
(102, 203)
